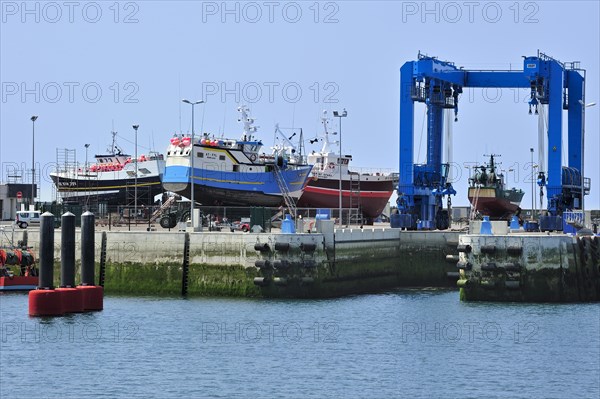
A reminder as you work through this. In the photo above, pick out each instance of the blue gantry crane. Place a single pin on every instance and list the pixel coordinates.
(438, 84)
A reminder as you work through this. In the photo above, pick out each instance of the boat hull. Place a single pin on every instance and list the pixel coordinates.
(214, 187)
(371, 199)
(18, 283)
(111, 187)
(489, 202)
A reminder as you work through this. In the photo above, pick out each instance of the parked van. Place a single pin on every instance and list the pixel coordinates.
(25, 218)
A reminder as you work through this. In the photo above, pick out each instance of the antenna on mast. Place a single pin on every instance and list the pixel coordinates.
(113, 146)
(179, 85)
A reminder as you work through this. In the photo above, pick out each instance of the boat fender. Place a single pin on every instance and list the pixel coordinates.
(451, 258)
(464, 265)
(464, 248)
(489, 267)
(282, 246)
(281, 264)
(512, 267)
(261, 281)
(262, 247)
(308, 246)
(490, 284)
(262, 264)
(488, 249)
(516, 251)
(281, 281)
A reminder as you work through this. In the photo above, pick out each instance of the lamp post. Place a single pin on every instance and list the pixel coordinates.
(192, 156)
(86, 170)
(86, 157)
(135, 127)
(33, 119)
(340, 115)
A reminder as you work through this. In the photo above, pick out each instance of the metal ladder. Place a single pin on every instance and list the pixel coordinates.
(285, 192)
(356, 216)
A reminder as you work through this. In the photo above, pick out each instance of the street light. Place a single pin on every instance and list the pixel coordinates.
(192, 156)
(135, 127)
(341, 115)
(87, 174)
(33, 119)
(86, 156)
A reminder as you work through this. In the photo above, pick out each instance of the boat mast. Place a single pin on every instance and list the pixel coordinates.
(326, 142)
(248, 122)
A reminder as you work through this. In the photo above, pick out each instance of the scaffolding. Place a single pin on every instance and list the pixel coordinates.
(144, 191)
(66, 167)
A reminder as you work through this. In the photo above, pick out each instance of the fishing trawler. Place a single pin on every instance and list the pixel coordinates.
(488, 193)
(367, 192)
(233, 172)
(111, 178)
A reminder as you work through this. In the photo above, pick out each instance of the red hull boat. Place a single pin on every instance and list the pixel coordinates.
(367, 192)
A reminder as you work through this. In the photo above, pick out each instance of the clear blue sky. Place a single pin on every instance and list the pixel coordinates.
(145, 56)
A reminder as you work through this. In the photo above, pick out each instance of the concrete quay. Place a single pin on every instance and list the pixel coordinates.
(333, 262)
(529, 268)
(522, 267)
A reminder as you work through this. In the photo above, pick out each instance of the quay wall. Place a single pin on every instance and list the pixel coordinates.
(529, 268)
(343, 261)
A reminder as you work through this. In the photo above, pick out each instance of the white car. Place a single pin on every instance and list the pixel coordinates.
(25, 218)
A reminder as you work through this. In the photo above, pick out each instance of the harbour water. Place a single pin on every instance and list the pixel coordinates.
(404, 343)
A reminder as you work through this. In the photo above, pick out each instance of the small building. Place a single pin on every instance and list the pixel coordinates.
(10, 202)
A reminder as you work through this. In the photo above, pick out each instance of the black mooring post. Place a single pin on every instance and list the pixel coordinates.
(46, 279)
(87, 248)
(67, 252)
